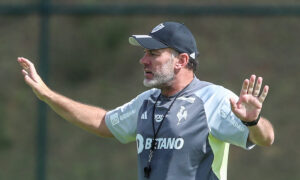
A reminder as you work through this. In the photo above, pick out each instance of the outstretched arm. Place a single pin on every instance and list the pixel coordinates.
(248, 109)
(85, 116)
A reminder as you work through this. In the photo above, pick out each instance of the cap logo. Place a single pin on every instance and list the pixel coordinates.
(157, 28)
(193, 55)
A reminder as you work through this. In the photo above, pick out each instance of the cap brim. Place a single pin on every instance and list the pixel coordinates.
(146, 41)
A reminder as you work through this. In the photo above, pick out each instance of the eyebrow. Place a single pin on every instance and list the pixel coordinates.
(153, 50)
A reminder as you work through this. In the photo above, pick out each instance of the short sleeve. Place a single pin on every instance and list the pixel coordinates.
(122, 121)
(222, 122)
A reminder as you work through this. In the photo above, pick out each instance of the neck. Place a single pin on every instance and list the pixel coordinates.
(177, 84)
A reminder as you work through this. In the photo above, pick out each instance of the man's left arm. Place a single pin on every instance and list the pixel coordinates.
(262, 134)
(248, 109)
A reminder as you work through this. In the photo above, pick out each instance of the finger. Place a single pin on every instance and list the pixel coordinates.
(26, 64)
(24, 72)
(257, 87)
(29, 67)
(232, 103)
(29, 81)
(22, 61)
(251, 84)
(244, 87)
(27, 78)
(23, 64)
(264, 94)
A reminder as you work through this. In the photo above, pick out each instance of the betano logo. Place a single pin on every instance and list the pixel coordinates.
(162, 143)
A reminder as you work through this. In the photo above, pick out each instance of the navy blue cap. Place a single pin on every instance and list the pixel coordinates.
(168, 35)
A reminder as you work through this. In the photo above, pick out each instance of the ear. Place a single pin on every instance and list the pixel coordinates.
(182, 61)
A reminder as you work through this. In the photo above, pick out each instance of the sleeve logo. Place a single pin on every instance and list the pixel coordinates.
(114, 118)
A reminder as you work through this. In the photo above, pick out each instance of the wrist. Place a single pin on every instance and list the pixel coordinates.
(48, 96)
(251, 123)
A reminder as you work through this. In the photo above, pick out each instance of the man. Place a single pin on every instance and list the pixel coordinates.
(182, 126)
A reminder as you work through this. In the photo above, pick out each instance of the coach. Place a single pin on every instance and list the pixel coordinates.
(183, 126)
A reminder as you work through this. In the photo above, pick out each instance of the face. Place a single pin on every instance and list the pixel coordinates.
(158, 67)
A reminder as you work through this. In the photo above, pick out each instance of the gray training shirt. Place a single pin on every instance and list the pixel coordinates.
(193, 141)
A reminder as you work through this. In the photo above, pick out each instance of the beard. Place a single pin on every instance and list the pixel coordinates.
(161, 77)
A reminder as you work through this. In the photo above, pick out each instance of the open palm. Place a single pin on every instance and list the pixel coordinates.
(249, 104)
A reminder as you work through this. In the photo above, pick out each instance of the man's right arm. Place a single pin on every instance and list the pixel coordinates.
(88, 117)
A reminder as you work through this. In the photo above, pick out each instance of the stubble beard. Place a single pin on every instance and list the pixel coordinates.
(161, 78)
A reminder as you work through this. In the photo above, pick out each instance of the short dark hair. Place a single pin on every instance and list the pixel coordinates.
(192, 64)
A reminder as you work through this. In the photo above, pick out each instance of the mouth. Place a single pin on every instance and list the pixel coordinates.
(148, 74)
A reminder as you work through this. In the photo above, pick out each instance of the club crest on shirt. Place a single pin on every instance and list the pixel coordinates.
(181, 115)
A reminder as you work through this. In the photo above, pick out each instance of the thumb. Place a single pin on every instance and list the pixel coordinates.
(40, 89)
(233, 103)
(29, 81)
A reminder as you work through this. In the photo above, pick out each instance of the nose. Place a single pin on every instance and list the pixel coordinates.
(145, 60)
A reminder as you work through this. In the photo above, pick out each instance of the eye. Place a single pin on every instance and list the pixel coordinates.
(148, 52)
(153, 53)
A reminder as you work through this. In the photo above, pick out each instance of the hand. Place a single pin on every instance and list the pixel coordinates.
(33, 79)
(249, 105)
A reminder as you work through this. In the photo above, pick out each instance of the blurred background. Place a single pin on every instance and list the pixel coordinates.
(86, 56)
